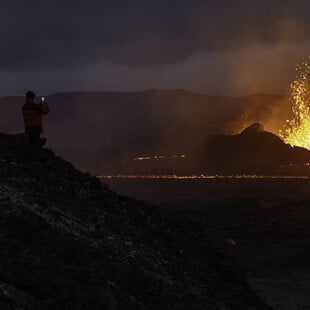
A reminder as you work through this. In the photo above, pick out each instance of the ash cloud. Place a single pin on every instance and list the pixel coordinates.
(141, 33)
(217, 47)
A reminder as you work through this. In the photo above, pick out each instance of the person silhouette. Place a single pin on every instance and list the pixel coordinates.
(33, 120)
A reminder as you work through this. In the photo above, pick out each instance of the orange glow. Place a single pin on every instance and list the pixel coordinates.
(297, 129)
(159, 157)
(142, 158)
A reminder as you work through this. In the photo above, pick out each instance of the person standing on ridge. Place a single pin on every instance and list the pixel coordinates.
(33, 119)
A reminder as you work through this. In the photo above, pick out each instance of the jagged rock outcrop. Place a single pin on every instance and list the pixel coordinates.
(68, 242)
(255, 128)
(253, 150)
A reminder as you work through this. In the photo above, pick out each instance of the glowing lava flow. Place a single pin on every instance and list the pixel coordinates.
(297, 129)
(199, 177)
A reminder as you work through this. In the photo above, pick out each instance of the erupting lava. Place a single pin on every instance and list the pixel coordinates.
(297, 129)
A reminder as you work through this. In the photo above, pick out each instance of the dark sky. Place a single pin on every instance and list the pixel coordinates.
(217, 47)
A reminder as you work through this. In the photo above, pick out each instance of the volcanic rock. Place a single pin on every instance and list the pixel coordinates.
(253, 129)
(253, 150)
(68, 242)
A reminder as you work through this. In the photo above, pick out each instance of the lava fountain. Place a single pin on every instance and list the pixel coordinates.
(297, 129)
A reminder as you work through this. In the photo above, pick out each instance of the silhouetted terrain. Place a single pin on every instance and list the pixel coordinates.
(98, 130)
(254, 151)
(267, 219)
(68, 242)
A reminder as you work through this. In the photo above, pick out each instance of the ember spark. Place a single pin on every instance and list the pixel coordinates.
(297, 129)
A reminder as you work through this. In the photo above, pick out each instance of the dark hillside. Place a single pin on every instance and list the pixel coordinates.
(68, 242)
(255, 151)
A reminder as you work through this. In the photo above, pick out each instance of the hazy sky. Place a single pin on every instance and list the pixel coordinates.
(217, 47)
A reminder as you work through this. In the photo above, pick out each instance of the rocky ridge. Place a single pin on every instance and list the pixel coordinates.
(68, 242)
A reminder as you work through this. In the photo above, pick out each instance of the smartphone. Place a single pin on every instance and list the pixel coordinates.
(42, 99)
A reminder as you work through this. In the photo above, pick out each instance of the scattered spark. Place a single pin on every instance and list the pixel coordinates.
(159, 157)
(178, 156)
(141, 158)
(297, 129)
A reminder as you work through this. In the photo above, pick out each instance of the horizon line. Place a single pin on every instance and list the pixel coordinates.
(262, 94)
